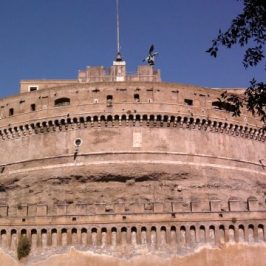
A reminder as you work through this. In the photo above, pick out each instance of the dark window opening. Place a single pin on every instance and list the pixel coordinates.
(177, 91)
(11, 111)
(62, 102)
(123, 229)
(224, 106)
(33, 88)
(188, 101)
(94, 230)
(109, 99)
(33, 107)
(136, 97)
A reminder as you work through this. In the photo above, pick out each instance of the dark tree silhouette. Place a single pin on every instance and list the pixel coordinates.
(247, 29)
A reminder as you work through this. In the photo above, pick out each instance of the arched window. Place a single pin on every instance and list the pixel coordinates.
(94, 230)
(114, 229)
(134, 229)
(104, 230)
(123, 229)
(23, 232)
(62, 102)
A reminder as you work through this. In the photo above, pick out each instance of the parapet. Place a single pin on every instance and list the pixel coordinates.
(115, 73)
(101, 74)
(195, 206)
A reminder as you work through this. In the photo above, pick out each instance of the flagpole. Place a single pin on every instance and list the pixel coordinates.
(117, 27)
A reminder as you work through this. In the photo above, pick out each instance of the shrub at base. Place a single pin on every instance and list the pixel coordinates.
(24, 246)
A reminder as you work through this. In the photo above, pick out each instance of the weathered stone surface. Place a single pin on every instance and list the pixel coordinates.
(132, 166)
(232, 255)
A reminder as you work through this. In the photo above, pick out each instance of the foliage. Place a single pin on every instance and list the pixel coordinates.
(24, 247)
(248, 28)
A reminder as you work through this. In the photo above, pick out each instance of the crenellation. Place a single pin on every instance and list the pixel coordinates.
(64, 209)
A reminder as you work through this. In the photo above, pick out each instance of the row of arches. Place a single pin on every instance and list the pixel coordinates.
(150, 120)
(151, 236)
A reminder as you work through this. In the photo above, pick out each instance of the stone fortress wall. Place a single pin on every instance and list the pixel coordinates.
(154, 225)
(141, 109)
(122, 127)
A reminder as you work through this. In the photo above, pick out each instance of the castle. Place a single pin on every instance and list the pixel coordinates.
(117, 162)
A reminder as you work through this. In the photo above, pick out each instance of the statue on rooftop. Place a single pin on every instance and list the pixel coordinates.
(150, 59)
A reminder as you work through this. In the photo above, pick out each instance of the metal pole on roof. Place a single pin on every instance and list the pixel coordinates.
(117, 27)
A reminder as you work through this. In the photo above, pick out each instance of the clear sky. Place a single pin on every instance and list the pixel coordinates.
(53, 39)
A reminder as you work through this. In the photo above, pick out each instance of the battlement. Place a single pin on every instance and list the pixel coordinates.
(115, 229)
(97, 74)
(100, 74)
(195, 206)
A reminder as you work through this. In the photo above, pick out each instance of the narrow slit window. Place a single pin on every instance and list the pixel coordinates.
(33, 107)
(11, 111)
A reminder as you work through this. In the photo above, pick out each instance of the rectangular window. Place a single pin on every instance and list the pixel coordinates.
(188, 101)
(62, 102)
(11, 111)
(109, 99)
(136, 98)
(33, 88)
(33, 107)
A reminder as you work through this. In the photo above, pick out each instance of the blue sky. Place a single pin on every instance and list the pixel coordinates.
(53, 39)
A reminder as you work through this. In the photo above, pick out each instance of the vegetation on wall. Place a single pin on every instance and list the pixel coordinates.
(24, 247)
(248, 29)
